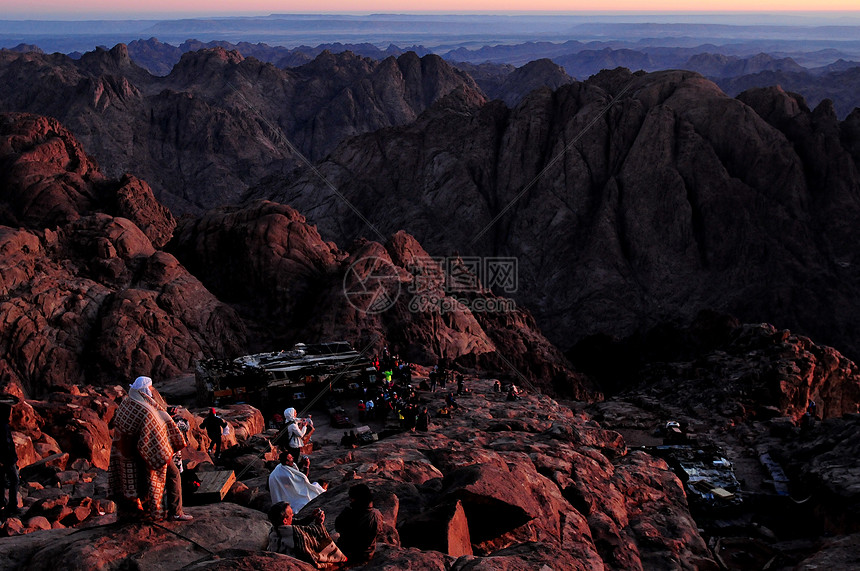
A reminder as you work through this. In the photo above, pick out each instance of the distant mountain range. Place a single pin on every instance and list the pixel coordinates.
(490, 66)
(218, 122)
(679, 198)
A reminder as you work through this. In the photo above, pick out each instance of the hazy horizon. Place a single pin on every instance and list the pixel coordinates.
(785, 32)
(760, 14)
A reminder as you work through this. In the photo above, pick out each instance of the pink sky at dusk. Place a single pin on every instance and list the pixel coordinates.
(65, 9)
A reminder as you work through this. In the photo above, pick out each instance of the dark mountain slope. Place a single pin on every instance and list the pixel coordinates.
(679, 198)
(219, 122)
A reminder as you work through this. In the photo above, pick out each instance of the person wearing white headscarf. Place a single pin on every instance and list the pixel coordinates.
(141, 449)
(143, 385)
(295, 434)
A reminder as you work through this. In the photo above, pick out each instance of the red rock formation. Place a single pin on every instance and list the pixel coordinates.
(87, 297)
(483, 490)
(267, 259)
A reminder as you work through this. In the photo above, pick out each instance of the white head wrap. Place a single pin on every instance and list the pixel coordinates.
(142, 384)
(289, 414)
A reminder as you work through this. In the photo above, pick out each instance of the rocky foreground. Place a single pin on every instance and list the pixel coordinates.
(500, 485)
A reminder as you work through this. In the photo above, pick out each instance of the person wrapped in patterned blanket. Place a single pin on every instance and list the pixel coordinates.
(141, 449)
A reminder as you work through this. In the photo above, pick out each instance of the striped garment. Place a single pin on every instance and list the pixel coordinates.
(141, 452)
(314, 545)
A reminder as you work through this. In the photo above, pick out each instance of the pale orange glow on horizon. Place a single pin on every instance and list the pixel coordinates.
(13, 9)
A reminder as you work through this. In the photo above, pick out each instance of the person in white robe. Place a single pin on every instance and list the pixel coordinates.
(287, 484)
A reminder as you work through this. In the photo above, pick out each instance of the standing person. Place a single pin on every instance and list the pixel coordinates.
(359, 525)
(295, 434)
(8, 459)
(422, 423)
(141, 450)
(214, 426)
(433, 377)
(173, 484)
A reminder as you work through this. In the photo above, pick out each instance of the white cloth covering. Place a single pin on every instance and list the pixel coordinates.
(142, 384)
(287, 484)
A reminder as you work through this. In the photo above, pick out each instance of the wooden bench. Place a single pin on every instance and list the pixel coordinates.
(213, 486)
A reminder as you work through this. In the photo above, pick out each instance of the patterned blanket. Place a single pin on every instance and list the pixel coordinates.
(143, 449)
(314, 545)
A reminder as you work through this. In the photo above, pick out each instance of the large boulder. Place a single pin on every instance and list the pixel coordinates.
(214, 528)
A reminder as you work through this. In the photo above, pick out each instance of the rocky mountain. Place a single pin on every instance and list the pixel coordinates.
(87, 295)
(159, 58)
(512, 85)
(840, 87)
(677, 199)
(98, 280)
(156, 57)
(719, 65)
(285, 280)
(92, 295)
(219, 122)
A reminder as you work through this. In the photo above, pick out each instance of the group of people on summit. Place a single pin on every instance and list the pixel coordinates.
(146, 467)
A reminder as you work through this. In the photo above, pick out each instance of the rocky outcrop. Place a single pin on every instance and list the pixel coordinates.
(168, 546)
(47, 180)
(533, 482)
(638, 221)
(87, 296)
(222, 121)
(741, 371)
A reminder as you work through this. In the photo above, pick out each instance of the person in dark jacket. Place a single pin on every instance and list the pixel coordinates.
(214, 426)
(422, 423)
(8, 459)
(359, 525)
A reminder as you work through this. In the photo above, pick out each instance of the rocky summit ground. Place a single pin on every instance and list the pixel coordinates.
(499, 485)
(530, 484)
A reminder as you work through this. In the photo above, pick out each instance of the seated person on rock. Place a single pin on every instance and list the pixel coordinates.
(307, 540)
(359, 525)
(288, 484)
